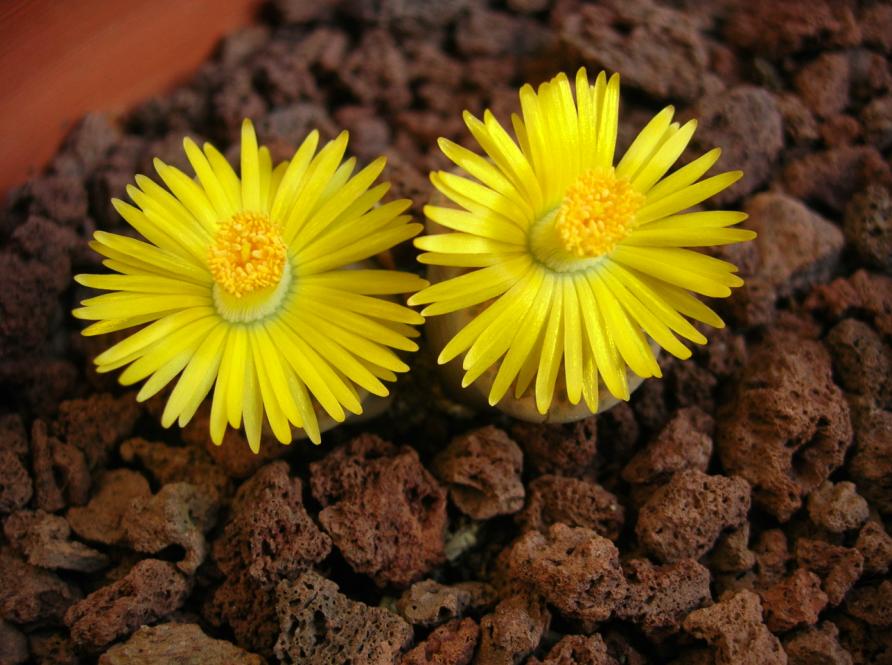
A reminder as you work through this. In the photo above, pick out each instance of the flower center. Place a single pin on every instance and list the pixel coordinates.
(247, 254)
(597, 212)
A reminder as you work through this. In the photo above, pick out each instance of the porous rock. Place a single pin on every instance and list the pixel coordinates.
(735, 630)
(862, 362)
(482, 470)
(96, 423)
(685, 517)
(453, 643)
(16, 487)
(176, 644)
(13, 645)
(44, 540)
(101, 519)
(428, 603)
(838, 567)
(837, 507)
(660, 597)
(818, 645)
(573, 568)
(574, 502)
(577, 650)
(872, 604)
(387, 515)
(875, 546)
(61, 475)
(29, 594)
(150, 591)
(180, 464)
(320, 625)
(868, 226)
(788, 426)
(795, 601)
(561, 449)
(512, 631)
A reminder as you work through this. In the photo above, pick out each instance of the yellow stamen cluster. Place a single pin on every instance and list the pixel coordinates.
(598, 211)
(247, 254)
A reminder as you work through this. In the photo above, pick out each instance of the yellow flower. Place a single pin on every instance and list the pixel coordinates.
(249, 286)
(569, 260)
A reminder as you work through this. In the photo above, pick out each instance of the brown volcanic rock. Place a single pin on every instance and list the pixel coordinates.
(151, 590)
(565, 450)
(269, 534)
(453, 643)
(29, 594)
(788, 427)
(43, 539)
(660, 597)
(685, 442)
(735, 630)
(320, 625)
(731, 553)
(868, 225)
(862, 362)
(875, 546)
(428, 603)
(180, 514)
(182, 464)
(837, 507)
(746, 123)
(795, 601)
(574, 569)
(872, 605)
(574, 502)
(871, 465)
(16, 488)
(823, 83)
(95, 424)
(61, 474)
(176, 644)
(512, 631)
(482, 470)
(838, 567)
(101, 520)
(685, 517)
(816, 646)
(865, 293)
(13, 645)
(577, 650)
(248, 608)
(384, 511)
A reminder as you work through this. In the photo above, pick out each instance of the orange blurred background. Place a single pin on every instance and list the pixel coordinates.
(62, 58)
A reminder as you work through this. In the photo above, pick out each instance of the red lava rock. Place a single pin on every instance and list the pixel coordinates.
(868, 226)
(872, 605)
(452, 643)
(795, 601)
(800, 126)
(29, 594)
(53, 648)
(27, 305)
(838, 567)
(574, 569)
(512, 631)
(270, 535)
(577, 650)
(178, 643)
(778, 29)
(735, 630)
(731, 553)
(788, 426)
(16, 488)
(96, 424)
(871, 465)
(50, 244)
(61, 198)
(383, 510)
(369, 133)
(101, 519)
(876, 118)
(796, 248)
(824, 83)
(685, 517)
(862, 363)
(875, 546)
(180, 514)
(428, 603)
(319, 625)
(685, 442)
(61, 474)
(660, 597)
(248, 608)
(837, 507)
(746, 123)
(376, 71)
(840, 130)
(818, 645)
(43, 539)
(13, 645)
(151, 590)
(876, 26)
(863, 292)
(482, 470)
(832, 176)
(657, 49)
(574, 502)
(182, 464)
(564, 450)
(772, 555)
(233, 100)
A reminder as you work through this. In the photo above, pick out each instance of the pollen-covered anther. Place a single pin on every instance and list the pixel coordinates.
(247, 254)
(598, 211)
